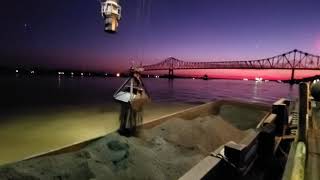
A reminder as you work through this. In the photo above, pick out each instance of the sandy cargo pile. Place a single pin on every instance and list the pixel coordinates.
(204, 134)
(164, 152)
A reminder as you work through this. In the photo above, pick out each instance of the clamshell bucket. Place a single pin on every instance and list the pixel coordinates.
(132, 96)
(136, 98)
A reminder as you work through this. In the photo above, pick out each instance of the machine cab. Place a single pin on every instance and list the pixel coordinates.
(111, 12)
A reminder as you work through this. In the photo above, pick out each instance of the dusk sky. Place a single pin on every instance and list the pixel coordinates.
(69, 34)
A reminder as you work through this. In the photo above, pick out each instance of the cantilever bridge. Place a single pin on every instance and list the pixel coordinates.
(293, 60)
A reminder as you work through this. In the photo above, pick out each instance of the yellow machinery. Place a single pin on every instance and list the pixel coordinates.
(111, 13)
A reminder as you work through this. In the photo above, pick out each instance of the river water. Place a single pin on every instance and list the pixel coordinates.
(36, 93)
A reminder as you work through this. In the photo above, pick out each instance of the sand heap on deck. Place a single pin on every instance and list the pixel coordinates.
(204, 133)
(163, 152)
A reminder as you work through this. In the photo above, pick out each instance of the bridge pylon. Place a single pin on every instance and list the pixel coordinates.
(292, 80)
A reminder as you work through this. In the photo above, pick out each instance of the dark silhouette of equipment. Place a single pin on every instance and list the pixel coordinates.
(315, 91)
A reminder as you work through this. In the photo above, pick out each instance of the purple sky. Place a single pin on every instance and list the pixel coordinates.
(69, 34)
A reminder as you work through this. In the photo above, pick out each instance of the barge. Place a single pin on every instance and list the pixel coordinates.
(217, 140)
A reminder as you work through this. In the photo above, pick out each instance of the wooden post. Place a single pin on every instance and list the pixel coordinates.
(281, 110)
(303, 111)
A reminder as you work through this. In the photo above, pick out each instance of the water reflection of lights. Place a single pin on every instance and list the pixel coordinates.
(255, 89)
(59, 82)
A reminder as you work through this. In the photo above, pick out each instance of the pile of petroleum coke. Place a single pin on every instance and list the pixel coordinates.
(166, 151)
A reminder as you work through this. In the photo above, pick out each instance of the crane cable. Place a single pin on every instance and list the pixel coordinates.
(143, 21)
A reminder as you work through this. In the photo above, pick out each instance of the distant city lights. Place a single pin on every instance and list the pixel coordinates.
(118, 74)
(72, 73)
(259, 79)
(81, 74)
(32, 72)
(245, 79)
(17, 71)
(157, 76)
(61, 73)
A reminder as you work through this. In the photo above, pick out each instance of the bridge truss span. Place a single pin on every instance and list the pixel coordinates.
(291, 60)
